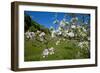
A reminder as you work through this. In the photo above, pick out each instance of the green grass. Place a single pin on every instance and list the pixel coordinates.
(67, 49)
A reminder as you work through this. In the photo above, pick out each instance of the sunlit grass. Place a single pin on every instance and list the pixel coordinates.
(66, 49)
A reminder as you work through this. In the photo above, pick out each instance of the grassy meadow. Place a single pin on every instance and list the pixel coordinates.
(66, 49)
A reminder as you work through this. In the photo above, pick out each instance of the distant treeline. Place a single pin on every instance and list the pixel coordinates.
(33, 26)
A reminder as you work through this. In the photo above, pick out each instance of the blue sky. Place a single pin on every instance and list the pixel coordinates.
(47, 18)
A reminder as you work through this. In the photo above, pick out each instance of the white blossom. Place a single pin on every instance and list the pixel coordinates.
(57, 42)
(83, 44)
(30, 35)
(83, 34)
(56, 21)
(65, 33)
(80, 44)
(38, 31)
(73, 26)
(70, 34)
(67, 22)
(45, 53)
(53, 33)
(51, 50)
(58, 32)
(41, 39)
(84, 29)
(42, 34)
(59, 28)
(27, 36)
(62, 23)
